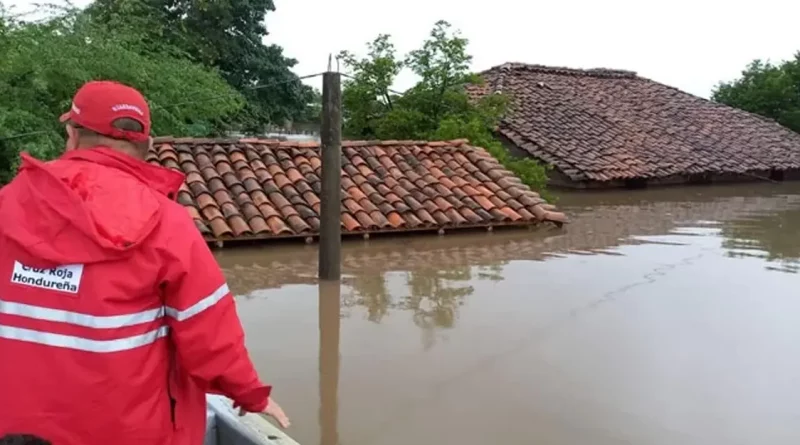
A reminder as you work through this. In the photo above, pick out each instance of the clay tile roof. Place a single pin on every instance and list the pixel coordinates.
(602, 124)
(253, 188)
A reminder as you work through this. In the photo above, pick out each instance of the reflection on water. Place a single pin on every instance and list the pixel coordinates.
(329, 326)
(773, 237)
(433, 297)
(657, 317)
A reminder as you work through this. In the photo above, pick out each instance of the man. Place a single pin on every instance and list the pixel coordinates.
(115, 319)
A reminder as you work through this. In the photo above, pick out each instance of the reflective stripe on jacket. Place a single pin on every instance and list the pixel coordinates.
(115, 319)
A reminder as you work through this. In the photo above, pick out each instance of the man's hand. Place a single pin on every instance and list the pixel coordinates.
(275, 411)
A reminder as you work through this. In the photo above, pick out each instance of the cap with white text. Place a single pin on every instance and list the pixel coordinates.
(97, 104)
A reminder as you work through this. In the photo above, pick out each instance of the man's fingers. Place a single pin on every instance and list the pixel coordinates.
(281, 418)
(283, 421)
(277, 413)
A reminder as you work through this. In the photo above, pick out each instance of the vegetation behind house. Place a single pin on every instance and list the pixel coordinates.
(45, 62)
(770, 90)
(201, 65)
(436, 108)
(226, 35)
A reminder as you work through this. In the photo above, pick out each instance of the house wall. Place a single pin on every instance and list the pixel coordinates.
(512, 149)
(560, 180)
(792, 175)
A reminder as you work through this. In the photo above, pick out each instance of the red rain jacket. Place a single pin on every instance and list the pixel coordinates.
(115, 319)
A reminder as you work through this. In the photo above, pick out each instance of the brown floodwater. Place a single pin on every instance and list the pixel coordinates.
(657, 317)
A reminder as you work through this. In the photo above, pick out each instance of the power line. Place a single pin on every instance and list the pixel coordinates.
(22, 135)
(257, 87)
(445, 106)
(399, 93)
(403, 93)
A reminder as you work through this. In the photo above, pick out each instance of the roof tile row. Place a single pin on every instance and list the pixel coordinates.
(266, 188)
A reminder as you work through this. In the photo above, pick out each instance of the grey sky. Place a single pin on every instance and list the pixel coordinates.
(687, 44)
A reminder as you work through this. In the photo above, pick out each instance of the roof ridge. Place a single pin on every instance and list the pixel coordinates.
(564, 71)
(309, 144)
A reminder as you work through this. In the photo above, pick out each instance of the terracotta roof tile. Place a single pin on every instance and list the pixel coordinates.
(256, 188)
(219, 228)
(601, 125)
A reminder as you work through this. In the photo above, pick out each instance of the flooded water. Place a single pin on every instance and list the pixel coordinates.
(658, 317)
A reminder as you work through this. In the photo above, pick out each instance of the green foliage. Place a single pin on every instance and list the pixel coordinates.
(766, 89)
(225, 34)
(313, 109)
(45, 62)
(367, 97)
(436, 108)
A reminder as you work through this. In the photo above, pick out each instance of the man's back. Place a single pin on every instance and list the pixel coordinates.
(115, 319)
(114, 311)
(80, 306)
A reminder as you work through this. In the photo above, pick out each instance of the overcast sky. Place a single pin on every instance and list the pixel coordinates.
(689, 44)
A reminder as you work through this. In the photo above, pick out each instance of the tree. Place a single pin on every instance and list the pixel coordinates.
(766, 89)
(224, 34)
(367, 97)
(436, 108)
(45, 62)
(313, 109)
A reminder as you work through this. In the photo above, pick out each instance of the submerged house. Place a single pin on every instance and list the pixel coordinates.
(249, 189)
(609, 128)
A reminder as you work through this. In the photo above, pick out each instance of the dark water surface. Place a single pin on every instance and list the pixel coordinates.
(658, 317)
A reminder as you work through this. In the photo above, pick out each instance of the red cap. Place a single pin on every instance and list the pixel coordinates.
(97, 104)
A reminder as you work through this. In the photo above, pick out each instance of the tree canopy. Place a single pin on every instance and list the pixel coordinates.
(45, 62)
(767, 89)
(436, 108)
(203, 66)
(227, 35)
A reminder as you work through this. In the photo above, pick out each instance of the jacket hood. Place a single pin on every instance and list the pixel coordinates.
(90, 205)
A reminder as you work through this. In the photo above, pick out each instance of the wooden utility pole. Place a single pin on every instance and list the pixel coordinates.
(330, 231)
(329, 309)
